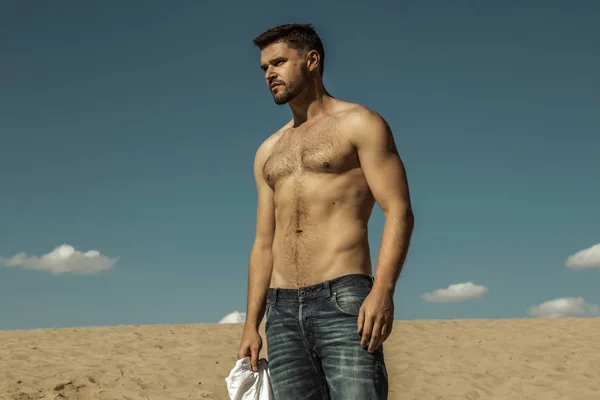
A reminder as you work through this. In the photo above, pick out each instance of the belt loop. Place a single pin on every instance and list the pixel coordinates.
(275, 293)
(327, 288)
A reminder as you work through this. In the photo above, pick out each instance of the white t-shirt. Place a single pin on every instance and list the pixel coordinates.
(245, 384)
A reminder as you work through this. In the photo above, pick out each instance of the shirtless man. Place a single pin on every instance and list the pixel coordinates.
(310, 272)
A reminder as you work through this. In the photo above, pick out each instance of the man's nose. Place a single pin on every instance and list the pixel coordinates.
(270, 75)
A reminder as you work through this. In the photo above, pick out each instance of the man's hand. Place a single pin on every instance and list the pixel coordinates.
(375, 319)
(250, 347)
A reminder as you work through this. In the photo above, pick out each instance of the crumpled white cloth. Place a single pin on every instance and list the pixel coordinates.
(245, 384)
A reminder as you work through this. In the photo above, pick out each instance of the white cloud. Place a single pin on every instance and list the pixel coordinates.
(565, 307)
(235, 317)
(455, 293)
(63, 259)
(586, 258)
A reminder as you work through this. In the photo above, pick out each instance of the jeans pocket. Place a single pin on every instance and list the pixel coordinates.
(349, 299)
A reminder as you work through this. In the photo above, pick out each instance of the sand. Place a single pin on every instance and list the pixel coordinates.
(540, 359)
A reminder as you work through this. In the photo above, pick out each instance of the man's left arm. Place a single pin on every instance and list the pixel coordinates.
(386, 176)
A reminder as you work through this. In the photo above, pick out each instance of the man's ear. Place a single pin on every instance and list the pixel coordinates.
(313, 60)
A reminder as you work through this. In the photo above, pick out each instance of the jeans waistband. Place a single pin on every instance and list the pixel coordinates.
(319, 290)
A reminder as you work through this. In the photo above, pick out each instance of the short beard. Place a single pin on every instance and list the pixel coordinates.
(284, 96)
(291, 90)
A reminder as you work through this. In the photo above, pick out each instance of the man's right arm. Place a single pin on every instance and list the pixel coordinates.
(260, 265)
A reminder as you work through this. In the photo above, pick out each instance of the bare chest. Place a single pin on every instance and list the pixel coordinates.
(314, 151)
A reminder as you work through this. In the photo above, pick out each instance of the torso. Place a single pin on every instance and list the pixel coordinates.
(322, 204)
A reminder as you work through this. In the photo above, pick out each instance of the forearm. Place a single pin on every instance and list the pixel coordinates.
(260, 268)
(395, 241)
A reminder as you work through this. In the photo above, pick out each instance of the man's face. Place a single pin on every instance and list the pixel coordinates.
(285, 71)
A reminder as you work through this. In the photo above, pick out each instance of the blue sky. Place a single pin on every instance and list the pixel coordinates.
(129, 128)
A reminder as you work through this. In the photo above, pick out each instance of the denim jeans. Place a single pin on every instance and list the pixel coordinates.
(313, 346)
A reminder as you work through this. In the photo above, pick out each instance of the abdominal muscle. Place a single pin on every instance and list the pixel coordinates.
(321, 229)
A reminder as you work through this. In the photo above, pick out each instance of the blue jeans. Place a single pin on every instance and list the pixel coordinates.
(313, 346)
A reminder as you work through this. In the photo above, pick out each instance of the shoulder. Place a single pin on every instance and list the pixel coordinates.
(361, 125)
(265, 149)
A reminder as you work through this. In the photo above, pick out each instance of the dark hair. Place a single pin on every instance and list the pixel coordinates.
(298, 36)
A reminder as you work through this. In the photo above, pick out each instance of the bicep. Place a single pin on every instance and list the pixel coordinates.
(382, 166)
(265, 211)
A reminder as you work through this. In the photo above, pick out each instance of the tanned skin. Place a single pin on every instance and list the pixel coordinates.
(317, 179)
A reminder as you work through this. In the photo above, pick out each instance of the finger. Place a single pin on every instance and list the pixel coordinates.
(375, 336)
(366, 331)
(361, 320)
(386, 331)
(254, 359)
(243, 352)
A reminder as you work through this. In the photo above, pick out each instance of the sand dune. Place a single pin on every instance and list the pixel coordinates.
(538, 359)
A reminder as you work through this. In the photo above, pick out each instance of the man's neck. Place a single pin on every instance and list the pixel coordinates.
(313, 102)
